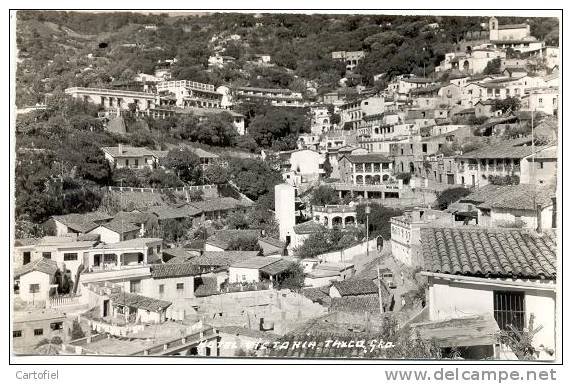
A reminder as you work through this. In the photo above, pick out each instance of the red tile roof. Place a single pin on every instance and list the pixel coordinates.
(356, 287)
(490, 252)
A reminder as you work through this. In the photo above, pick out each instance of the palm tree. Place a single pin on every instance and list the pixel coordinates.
(49, 346)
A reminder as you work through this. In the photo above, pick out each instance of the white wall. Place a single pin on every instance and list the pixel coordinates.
(170, 291)
(346, 255)
(284, 198)
(107, 235)
(239, 275)
(34, 277)
(456, 299)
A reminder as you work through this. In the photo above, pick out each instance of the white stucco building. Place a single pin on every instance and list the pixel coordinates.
(509, 274)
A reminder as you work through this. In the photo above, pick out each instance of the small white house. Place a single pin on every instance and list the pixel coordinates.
(509, 274)
(35, 281)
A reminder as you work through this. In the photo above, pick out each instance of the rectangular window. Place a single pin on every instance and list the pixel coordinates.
(161, 289)
(27, 258)
(57, 325)
(16, 333)
(127, 162)
(180, 286)
(136, 163)
(38, 332)
(47, 255)
(135, 286)
(424, 148)
(70, 256)
(509, 309)
(34, 288)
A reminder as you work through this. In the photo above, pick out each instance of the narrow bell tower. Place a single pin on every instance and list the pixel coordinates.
(493, 28)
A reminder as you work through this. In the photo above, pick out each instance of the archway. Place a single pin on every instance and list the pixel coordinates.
(359, 179)
(411, 168)
(466, 65)
(350, 220)
(368, 179)
(337, 221)
(385, 177)
(376, 179)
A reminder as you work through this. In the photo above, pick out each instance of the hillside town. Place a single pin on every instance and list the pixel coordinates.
(250, 206)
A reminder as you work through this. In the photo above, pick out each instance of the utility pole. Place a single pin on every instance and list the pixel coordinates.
(367, 212)
(379, 290)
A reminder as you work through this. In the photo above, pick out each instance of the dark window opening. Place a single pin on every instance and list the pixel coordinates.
(509, 309)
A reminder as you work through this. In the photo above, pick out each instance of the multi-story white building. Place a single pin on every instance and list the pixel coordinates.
(190, 93)
(518, 157)
(406, 233)
(351, 113)
(351, 58)
(274, 96)
(320, 120)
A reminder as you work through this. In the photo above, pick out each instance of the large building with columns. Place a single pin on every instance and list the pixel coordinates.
(370, 168)
(339, 216)
(114, 98)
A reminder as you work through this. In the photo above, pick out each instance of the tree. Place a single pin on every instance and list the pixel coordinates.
(244, 243)
(328, 167)
(328, 240)
(379, 219)
(175, 231)
(77, 331)
(185, 163)
(521, 342)
(493, 67)
(324, 195)
(254, 177)
(292, 278)
(450, 195)
(510, 104)
(216, 174)
(237, 220)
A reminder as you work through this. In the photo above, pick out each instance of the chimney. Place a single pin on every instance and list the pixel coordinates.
(120, 148)
(538, 218)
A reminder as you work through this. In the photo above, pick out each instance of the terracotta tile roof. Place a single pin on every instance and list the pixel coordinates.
(277, 267)
(82, 222)
(222, 259)
(256, 262)
(308, 227)
(506, 149)
(493, 252)
(163, 271)
(133, 217)
(365, 303)
(44, 265)
(138, 301)
(119, 226)
(520, 196)
(355, 287)
(319, 295)
(164, 212)
(369, 158)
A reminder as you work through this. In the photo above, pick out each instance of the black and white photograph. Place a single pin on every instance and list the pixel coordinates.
(285, 186)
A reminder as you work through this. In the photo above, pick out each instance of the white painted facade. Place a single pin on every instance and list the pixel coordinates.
(34, 286)
(454, 297)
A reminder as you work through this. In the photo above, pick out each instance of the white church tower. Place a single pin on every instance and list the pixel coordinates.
(493, 29)
(284, 208)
